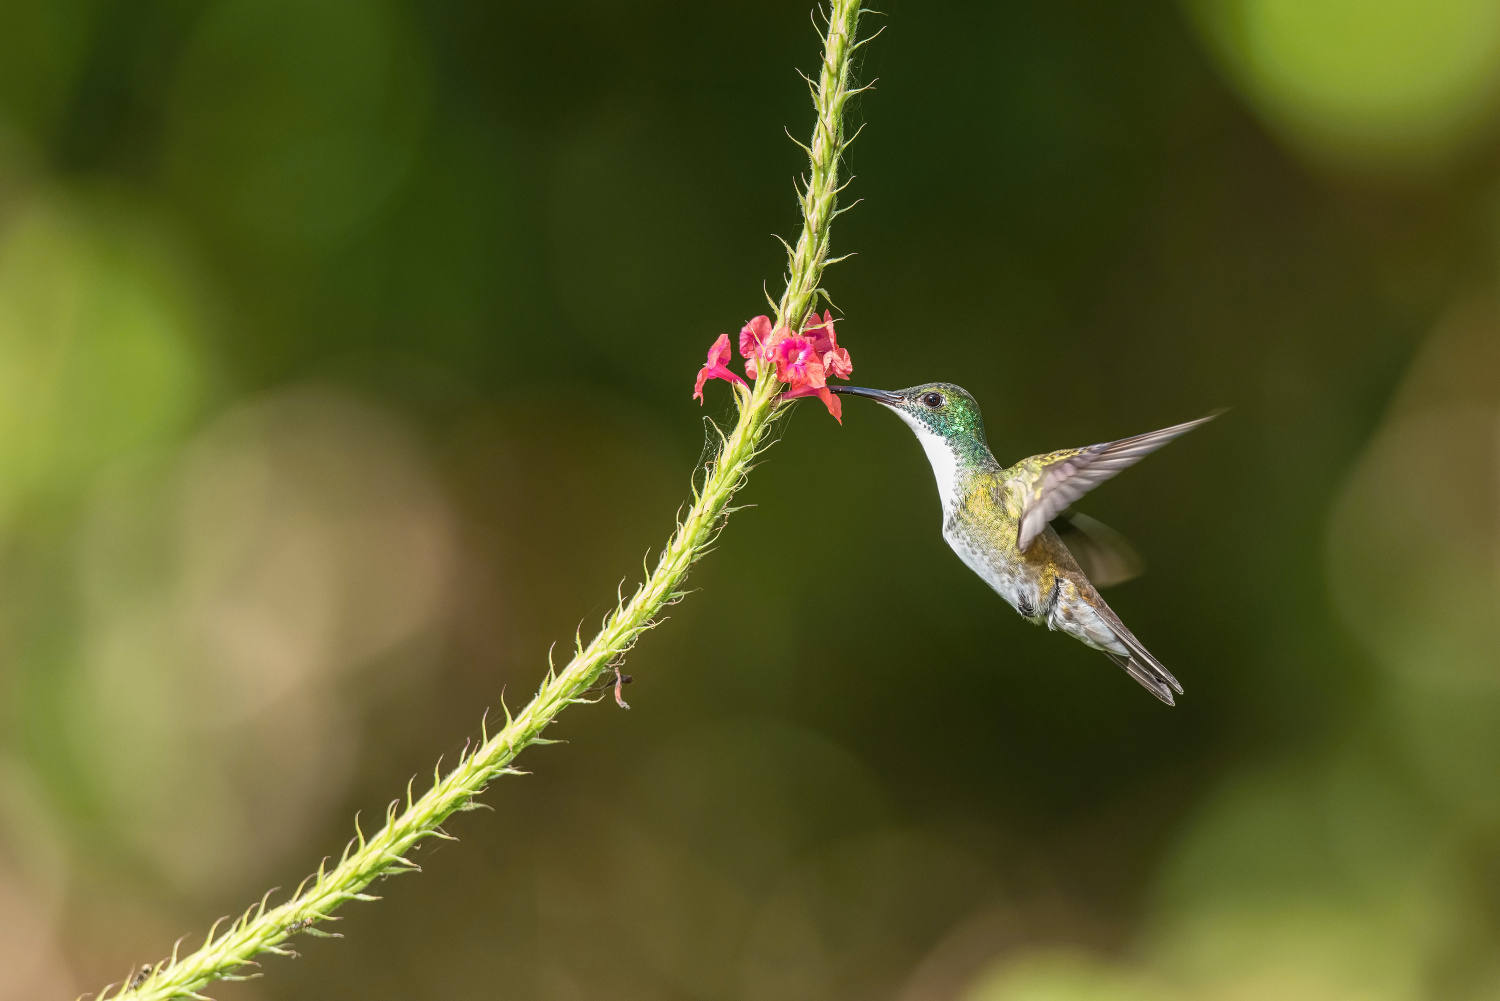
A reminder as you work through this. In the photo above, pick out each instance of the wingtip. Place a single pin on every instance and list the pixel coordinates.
(1197, 422)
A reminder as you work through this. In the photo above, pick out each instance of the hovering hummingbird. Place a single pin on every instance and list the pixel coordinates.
(1012, 526)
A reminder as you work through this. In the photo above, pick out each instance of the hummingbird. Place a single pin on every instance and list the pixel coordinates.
(1014, 527)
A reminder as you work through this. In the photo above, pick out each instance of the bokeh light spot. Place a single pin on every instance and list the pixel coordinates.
(1375, 83)
(1316, 880)
(237, 598)
(1413, 557)
(97, 352)
(1064, 975)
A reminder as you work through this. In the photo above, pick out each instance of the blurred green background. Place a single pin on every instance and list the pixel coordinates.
(345, 358)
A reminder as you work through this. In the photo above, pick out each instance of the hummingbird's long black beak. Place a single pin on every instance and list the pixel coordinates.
(878, 395)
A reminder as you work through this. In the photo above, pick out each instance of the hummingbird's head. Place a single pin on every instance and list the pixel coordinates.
(940, 409)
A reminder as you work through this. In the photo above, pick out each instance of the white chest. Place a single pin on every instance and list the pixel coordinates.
(1009, 581)
(944, 463)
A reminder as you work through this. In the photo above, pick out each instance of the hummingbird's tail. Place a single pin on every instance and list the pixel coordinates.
(1140, 665)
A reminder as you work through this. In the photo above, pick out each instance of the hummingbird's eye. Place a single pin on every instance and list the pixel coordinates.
(933, 400)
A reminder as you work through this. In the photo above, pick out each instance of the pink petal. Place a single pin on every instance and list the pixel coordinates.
(805, 361)
(798, 364)
(833, 403)
(753, 337)
(821, 332)
(715, 369)
(719, 353)
(838, 364)
(791, 349)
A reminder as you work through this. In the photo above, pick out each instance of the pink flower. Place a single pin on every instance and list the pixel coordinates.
(800, 366)
(835, 359)
(803, 361)
(756, 338)
(798, 362)
(715, 367)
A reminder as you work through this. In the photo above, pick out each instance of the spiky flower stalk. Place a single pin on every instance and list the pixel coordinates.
(820, 190)
(226, 954)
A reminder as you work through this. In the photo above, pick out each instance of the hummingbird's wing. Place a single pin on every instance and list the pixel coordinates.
(1103, 555)
(1051, 482)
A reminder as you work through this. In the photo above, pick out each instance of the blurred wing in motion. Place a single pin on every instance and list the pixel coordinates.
(1063, 477)
(1102, 553)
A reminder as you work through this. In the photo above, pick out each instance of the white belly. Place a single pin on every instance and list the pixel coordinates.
(1010, 581)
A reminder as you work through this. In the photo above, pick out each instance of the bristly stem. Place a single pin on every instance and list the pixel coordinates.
(820, 191)
(226, 954)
